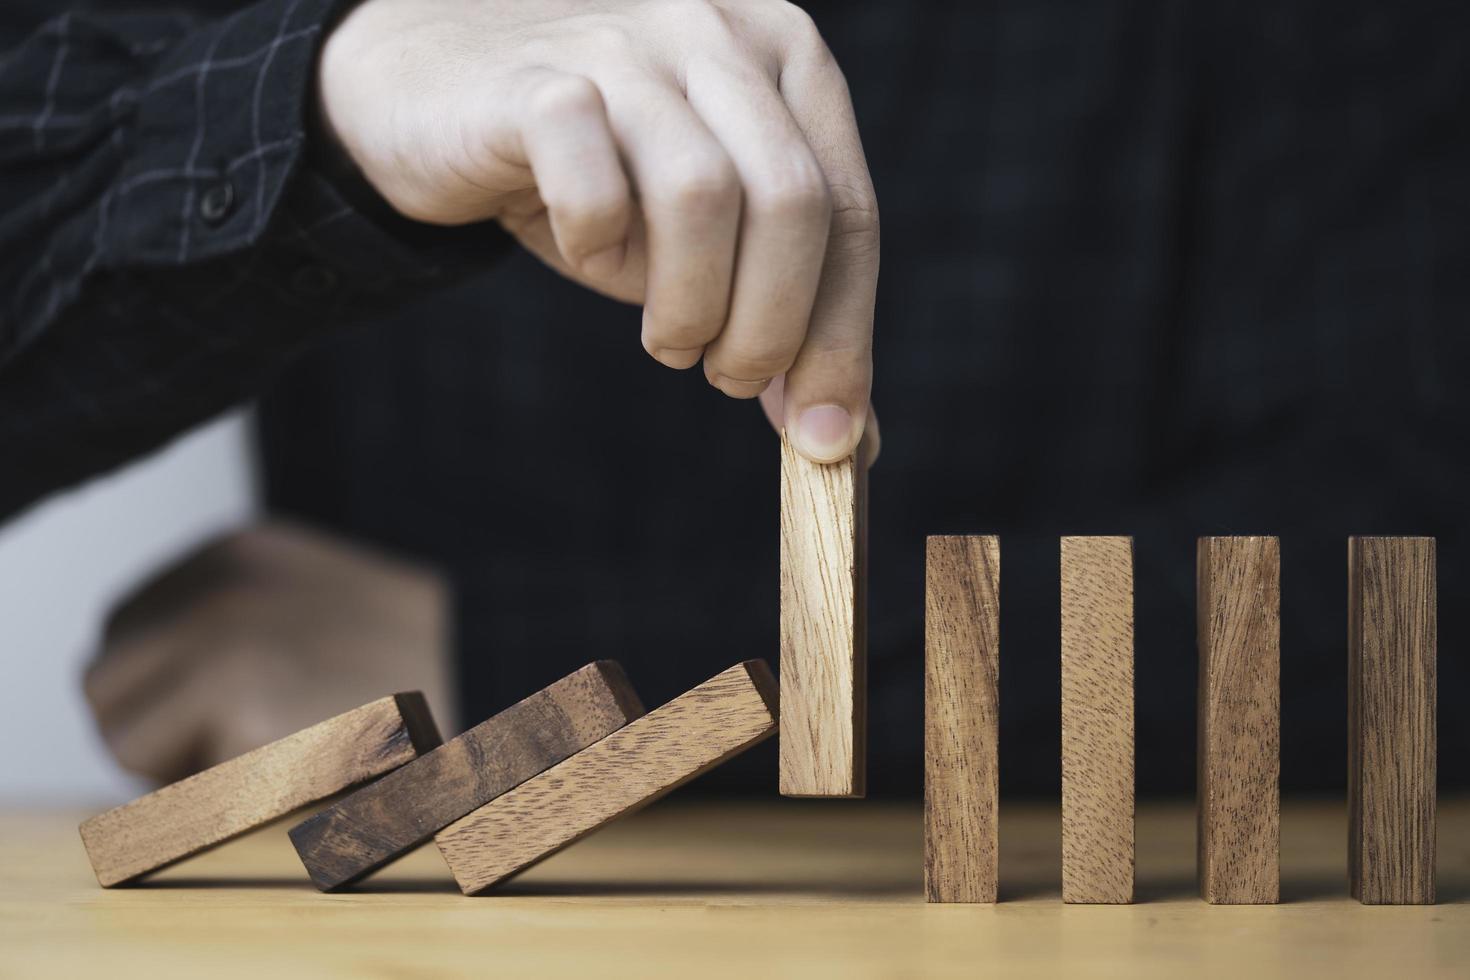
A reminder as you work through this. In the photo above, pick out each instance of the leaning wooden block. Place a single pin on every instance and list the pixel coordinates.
(1239, 708)
(961, 718)
(212, 806)
(628, 769)
(823, 626)
(404, 809)
(1392, 648)
(1097, 720)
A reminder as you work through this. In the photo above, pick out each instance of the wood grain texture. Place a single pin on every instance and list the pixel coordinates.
(1239, 836)
(395, 814)
(961, 717)
(823, 626)
(1097, 720)
(222, 802)
(628, 769)
(1392, 705)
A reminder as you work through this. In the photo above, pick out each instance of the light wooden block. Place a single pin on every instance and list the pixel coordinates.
(628, 769)
(1097, 720)
(390, 817)
(210, 807)
(961, 718)
(1239, 842)
(823, 626)
(1392, 704)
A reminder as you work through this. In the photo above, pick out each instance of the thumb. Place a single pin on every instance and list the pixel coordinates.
(773, 403)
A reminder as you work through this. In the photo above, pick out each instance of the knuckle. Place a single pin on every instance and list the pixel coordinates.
(705, 187)
(606, 37)
(561, 96)
(794, 193)
(751, 362)
(596, 214)
(800, 33)
(798, 25)
(696, 14)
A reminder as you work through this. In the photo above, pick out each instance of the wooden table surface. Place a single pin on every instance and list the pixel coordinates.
(749, 890)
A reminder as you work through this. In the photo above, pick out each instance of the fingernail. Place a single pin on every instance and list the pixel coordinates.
(607, 263)
(676, 358)
(736, 388)
(824, 432)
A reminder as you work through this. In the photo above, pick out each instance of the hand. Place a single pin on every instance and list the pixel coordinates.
(699, 157)
(258, 635)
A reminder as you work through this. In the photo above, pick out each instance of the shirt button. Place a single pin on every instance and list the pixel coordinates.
(218, 199)
(314, 280)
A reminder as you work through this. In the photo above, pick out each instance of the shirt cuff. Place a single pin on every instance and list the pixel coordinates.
(217, 132)
(333, 252)
(221, 164)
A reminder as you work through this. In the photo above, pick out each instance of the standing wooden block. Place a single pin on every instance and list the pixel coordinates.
(397, 813)
(212, 806)
(628, 769)
(1392, 649)
(1097, 720)
(961, 718)
(1239, 720)
(823, 626)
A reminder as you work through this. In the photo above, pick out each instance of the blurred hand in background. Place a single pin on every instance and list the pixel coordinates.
(260, 634)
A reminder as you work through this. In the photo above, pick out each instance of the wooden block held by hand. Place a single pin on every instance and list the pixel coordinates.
(222, 802)
(961, 717)
(823, 626)
(628, 769)
(1392, 703)
(404, 809)
(1097, 720)
(1239, 842)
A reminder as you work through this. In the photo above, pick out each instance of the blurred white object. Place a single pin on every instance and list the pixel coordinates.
(63, 564)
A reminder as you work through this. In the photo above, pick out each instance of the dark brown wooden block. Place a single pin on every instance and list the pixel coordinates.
(212, 806)
(1392, 702)
(1097, 720)
(390, 817)
(1239, 720)
(961, 718)
(628, 769)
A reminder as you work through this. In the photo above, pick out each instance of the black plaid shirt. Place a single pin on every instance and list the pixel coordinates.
(167, 241)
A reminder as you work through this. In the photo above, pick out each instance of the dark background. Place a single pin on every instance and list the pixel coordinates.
(1164, 269)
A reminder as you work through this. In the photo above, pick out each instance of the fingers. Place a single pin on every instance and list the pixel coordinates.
(573, 206)
(569, 146)
(690, 195)
(162, 734)
(783, 229)
(828, 384)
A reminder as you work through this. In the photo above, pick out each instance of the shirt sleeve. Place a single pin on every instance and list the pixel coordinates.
(167, 240)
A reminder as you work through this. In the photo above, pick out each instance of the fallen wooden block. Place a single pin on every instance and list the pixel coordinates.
(1097, 720)
(628, 769)
(823, 626)
(1239, 707)
(961, 717)
(1392, 649)
(404, 809)
(210, 807)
